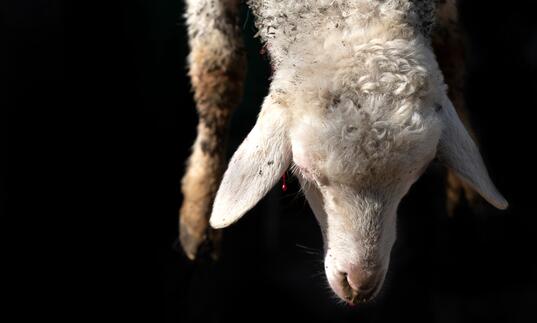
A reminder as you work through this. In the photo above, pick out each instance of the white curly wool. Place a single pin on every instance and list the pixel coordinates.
(363, 70)
(292, 29)
(358, 107)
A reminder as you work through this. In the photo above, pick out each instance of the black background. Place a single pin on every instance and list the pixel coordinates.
(101, 120)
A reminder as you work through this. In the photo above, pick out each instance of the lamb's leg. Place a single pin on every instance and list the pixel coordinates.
(448, 43)
(217, 69)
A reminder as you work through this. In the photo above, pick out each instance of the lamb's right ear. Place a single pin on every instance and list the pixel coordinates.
(256, 166)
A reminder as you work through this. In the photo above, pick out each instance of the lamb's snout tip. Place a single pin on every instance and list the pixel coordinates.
(357, 285)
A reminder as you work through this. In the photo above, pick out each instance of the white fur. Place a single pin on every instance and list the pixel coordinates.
(256, 166)
(359, 104)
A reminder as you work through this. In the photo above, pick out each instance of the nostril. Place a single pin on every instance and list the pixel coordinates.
(362, 284)
(354, 287)
(353, 283)
(368, 286)
(345, 279)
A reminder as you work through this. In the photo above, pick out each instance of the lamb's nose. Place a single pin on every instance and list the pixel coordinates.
(363, 282)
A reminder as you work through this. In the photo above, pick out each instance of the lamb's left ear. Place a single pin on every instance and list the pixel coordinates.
(459, 152)
(256, 166)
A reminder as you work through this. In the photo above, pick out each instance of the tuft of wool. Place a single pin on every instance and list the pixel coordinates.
(360, 80)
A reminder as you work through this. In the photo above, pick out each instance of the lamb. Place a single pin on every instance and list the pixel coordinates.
(358, 108)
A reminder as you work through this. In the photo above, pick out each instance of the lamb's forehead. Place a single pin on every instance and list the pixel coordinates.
(335, 108)
(361, 137)
(396, 70)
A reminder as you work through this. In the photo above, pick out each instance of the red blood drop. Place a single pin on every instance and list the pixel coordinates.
(284, 186)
